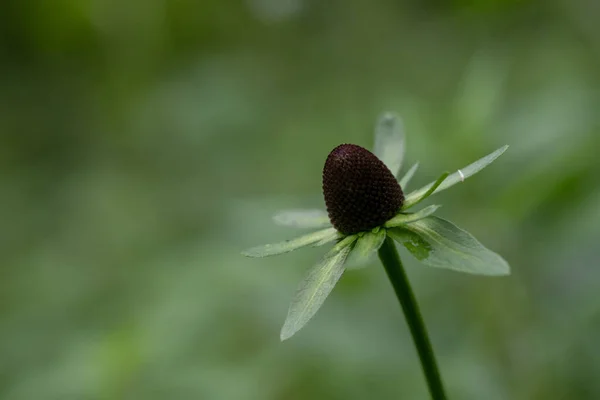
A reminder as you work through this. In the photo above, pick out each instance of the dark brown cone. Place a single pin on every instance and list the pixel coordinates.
(360, 191)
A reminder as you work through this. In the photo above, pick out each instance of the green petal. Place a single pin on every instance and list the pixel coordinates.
(401, 219)
(302, 218)
(318, 238)
(331, 236)
(439, 243)
(414, 199)
(408, 176)
(416, 245)
(314, 289)
(389, 141)
(346, 241)
(365, 248)
(455, 178)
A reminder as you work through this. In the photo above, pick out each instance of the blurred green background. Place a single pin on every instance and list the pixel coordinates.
(145, 143)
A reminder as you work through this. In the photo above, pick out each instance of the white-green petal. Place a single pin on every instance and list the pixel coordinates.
(314, 289)
(402, 219)
(302, 218)
(408, 176)
(413, 199)
(319, 237)
(389, 141)
(365, 248)
(330, 237)
(460, 175)
(346, 241)
(439, 243)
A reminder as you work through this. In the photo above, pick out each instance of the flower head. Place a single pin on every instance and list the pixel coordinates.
(365, 204)
(360, 191)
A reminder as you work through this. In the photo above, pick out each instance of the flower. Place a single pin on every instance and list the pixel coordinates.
(365, 204)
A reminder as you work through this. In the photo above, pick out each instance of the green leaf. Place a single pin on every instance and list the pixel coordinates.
(389, 141)
(314, 289)
(319, 238)
(456, 177)
(302, 218)
(439, 243)
(412, 200)
(365, 248)
(408, 176)
(402, 219)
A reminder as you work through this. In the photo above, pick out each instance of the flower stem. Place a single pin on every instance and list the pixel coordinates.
(393, 267)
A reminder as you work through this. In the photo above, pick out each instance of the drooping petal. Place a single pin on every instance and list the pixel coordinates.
(315, 288)
(302, 218)
(409, 202)
(316, 238)
(330, 237)
(439, 243)
(408, 176)
(456, 177)
(365, 249)
(402, 219)
(389, 141)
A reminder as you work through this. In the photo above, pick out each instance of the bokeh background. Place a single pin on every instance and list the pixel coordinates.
(143, 144)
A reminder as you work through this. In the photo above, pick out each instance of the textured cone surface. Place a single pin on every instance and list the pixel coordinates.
(360, 191)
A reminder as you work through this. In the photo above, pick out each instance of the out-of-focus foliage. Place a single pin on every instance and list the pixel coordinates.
(143, 144)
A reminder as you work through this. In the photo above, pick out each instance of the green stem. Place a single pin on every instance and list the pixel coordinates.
(393, 266)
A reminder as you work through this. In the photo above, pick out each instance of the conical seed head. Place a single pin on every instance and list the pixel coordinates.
(360, 191)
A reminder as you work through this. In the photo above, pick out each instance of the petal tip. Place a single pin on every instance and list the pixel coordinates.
(249, 253)
(286, 332)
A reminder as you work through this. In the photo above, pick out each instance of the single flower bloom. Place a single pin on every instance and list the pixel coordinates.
(365, 204)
